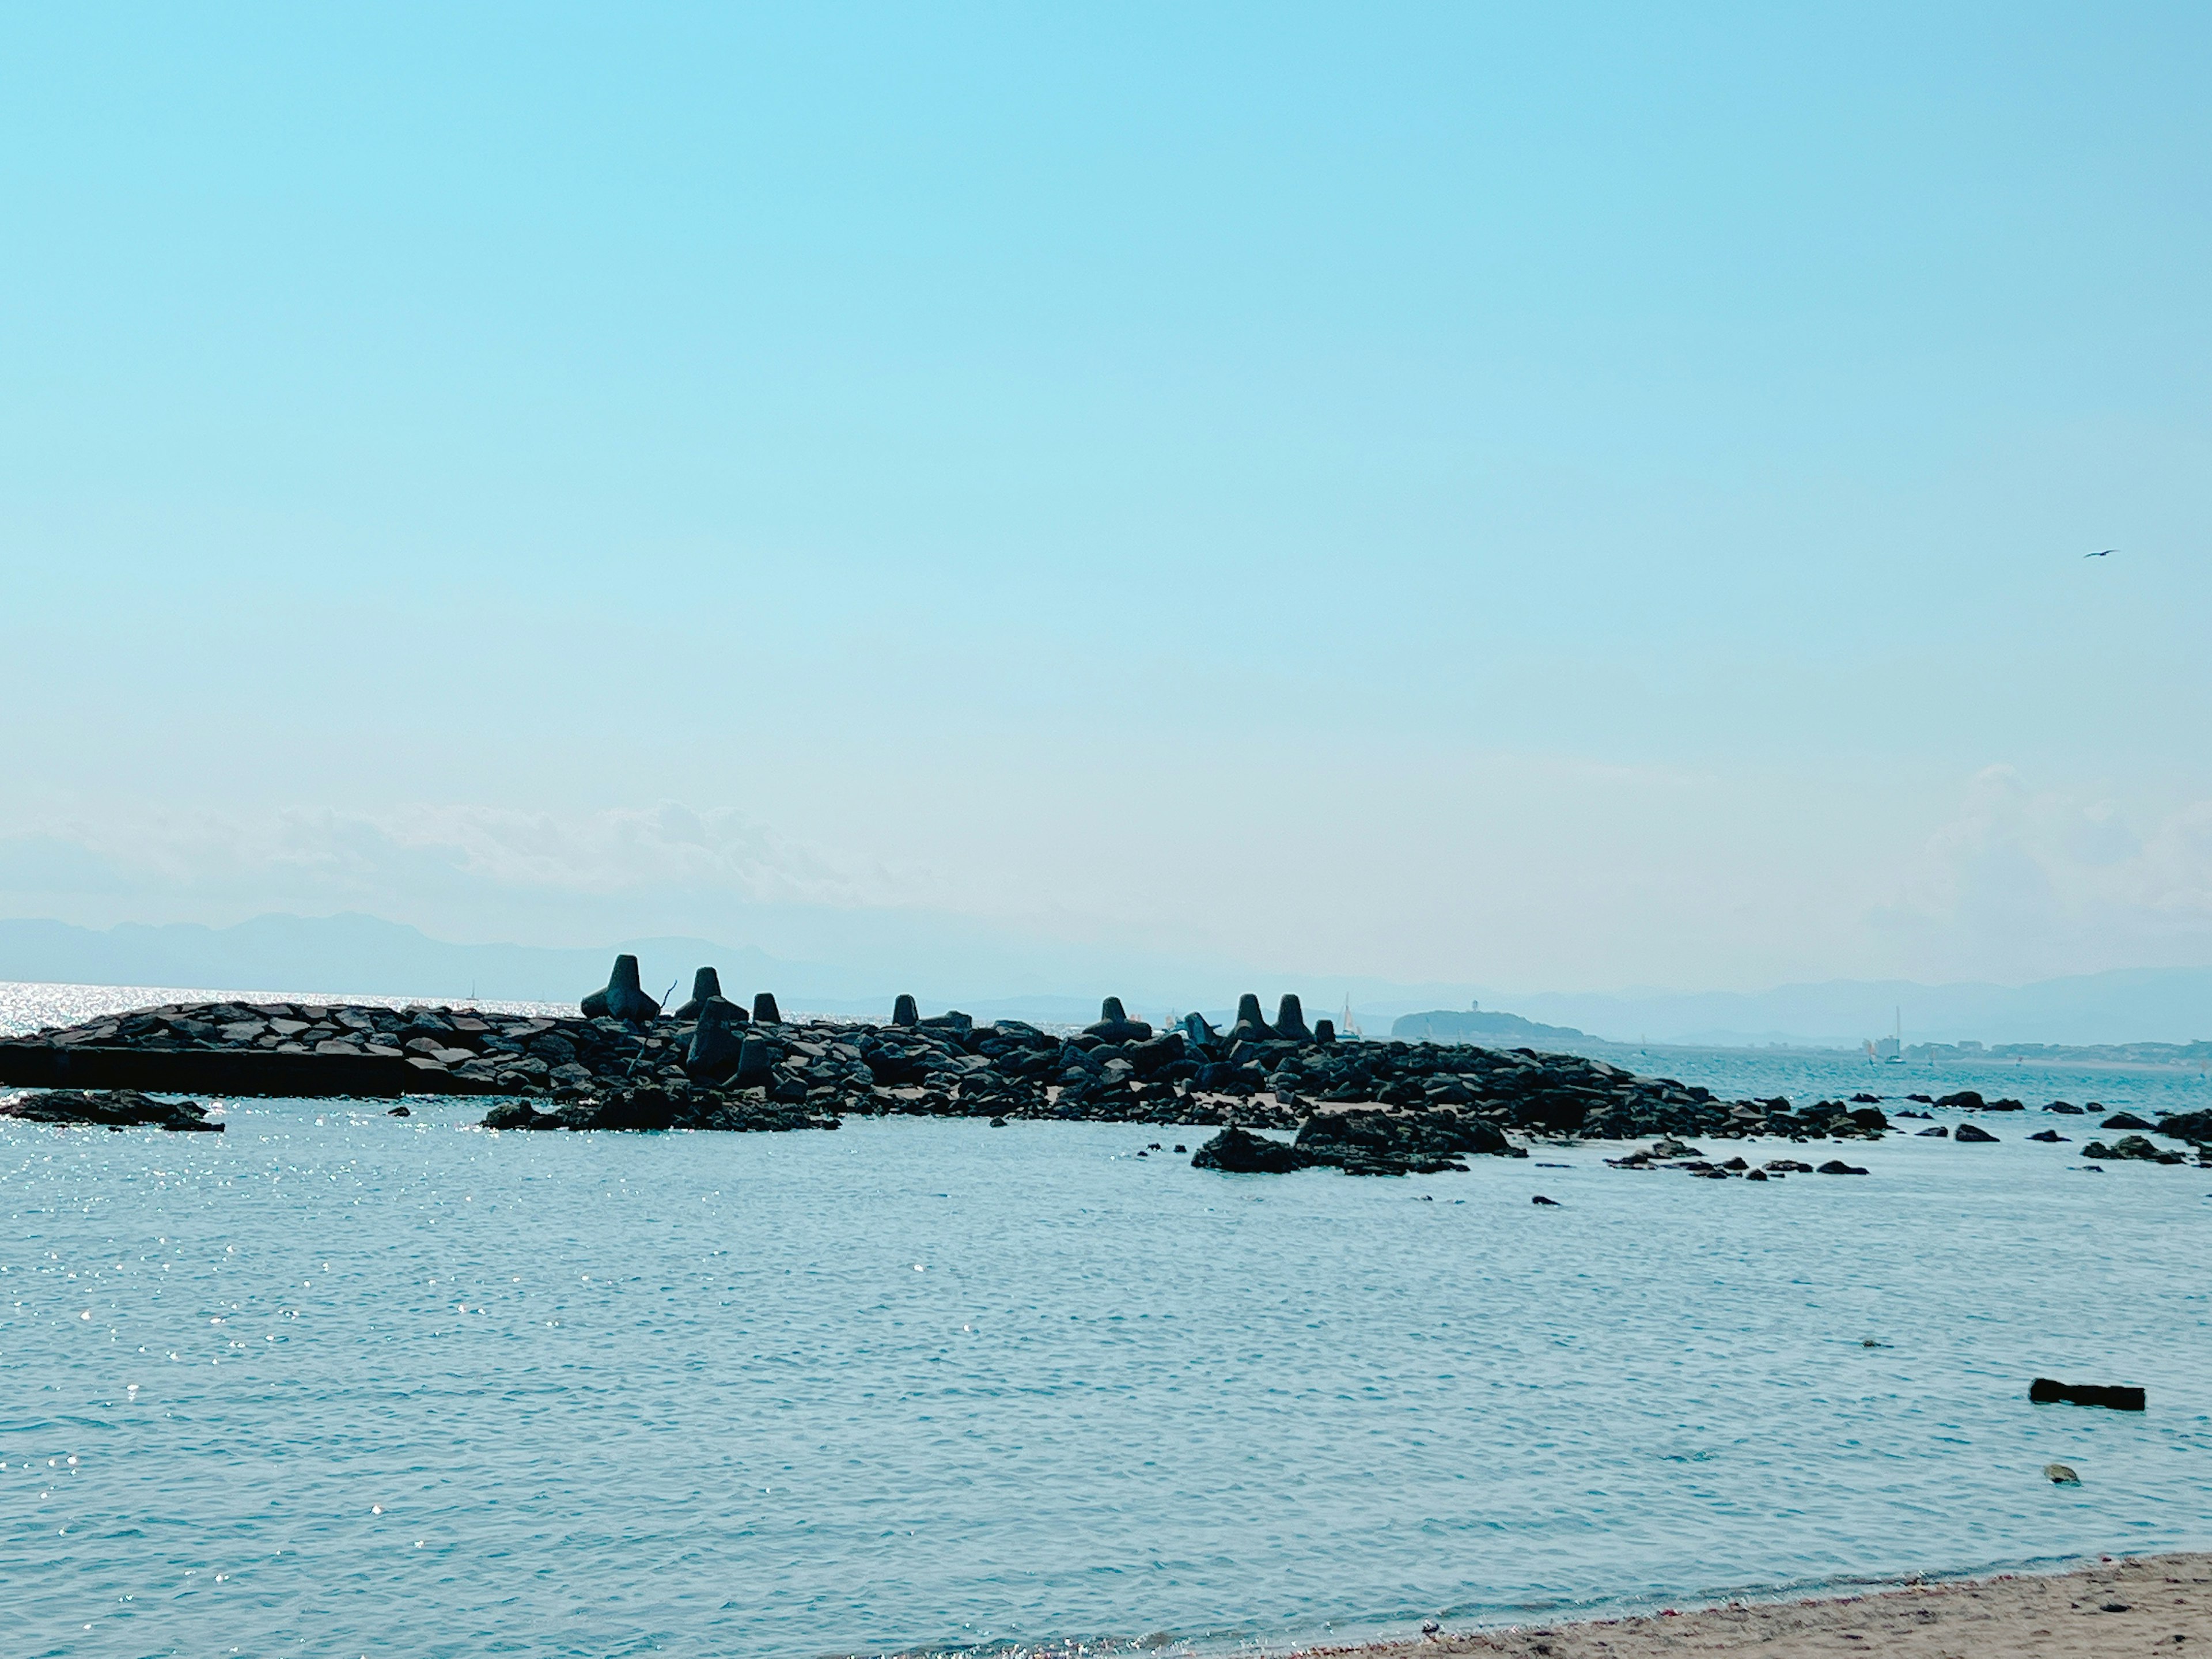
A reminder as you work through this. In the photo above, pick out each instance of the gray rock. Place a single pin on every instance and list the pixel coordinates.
(1968, 1132)
(765, 1012)
(904, 1012)
(1290, 1020)
(1324, 1030)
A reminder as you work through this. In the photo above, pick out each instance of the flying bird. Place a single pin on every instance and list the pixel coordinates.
(2100, 555)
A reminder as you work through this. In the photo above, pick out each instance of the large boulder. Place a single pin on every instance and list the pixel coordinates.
(706, 985)
(2187, 1126)
(716, 1040)
(1290, 1020)
(1966, 1100)
(1233, 1152)
(624, 998)
(1115, 1024)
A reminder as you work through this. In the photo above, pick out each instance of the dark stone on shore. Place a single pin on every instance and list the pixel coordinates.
(1235, 1152)
(904, 1012)
(624, 998)
(765, 1012)
(1291, 1020)
(2125, 1121)
(2046, 1391)
(1837, 1166)
(111, 1109)
(1967, 1131)
(706, 986)
(717, 1039)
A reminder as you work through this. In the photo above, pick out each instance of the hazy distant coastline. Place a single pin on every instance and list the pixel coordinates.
(2158, 1017)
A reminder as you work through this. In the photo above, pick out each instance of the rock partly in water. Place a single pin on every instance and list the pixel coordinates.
(1968, 1132)
(2049, 1137)
(1940, 1133)
(111, 1108)
(2128, 1147)
(2060, 1474)
(1379, 1141)
(2124, 1121)
(1837, 1166)
(2195, 1126)
(2046, 1391)
(1233, 1152)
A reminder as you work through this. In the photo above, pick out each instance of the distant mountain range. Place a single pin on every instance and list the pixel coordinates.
(363, 955)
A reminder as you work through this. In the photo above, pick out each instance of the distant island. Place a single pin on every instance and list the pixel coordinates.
(1472, 1025)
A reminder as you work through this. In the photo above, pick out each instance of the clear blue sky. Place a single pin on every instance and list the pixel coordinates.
(1557, 496)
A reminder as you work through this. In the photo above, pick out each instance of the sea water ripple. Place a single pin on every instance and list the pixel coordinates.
(336, 1382)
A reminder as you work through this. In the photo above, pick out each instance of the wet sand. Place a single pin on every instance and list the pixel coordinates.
(2157, 1604)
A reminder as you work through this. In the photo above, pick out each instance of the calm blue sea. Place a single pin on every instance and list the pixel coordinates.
(340, 1383)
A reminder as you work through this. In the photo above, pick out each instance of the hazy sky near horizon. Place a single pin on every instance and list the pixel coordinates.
(1553, 496)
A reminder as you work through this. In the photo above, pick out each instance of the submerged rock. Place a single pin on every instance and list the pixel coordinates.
(2059, 1474)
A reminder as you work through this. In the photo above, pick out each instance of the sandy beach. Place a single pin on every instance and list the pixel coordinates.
(2155, 1604)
